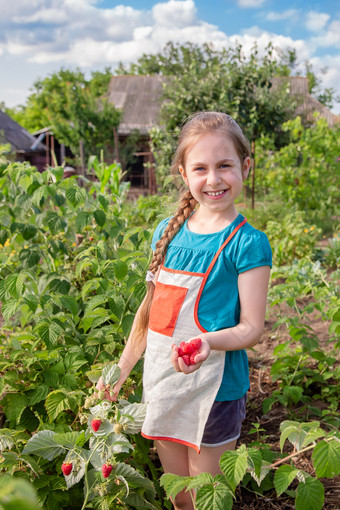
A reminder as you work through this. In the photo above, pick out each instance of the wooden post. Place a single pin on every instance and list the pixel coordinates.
(47, 149)
(116, 150)
(82, 157)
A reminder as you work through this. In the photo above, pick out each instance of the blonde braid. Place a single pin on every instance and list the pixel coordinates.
(186, 207)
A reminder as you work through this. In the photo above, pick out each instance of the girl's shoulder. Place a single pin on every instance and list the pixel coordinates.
(252, 249)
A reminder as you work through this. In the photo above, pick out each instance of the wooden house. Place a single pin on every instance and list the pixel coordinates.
(23, 145)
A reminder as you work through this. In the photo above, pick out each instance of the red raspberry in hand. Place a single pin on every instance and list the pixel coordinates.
(196, 343)
(192, 357)
(106, 470)
(188, 348)
(186, 359)
(95, 424)
(66, 468)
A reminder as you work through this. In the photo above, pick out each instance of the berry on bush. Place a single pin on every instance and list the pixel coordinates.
(95, 424)
(66, 468)
(106, 470)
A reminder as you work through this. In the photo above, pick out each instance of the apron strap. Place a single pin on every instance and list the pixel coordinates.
(236, 229)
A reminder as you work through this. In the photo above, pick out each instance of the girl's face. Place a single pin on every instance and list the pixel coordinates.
(214, 173)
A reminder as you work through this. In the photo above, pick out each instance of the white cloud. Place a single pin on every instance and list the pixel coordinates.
(250, 3)
(329, 37)
(279, 16)
(175, 14)
(316, 21)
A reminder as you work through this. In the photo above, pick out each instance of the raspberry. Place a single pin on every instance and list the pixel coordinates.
(192, 357)
(95, 424)
(188, 348)
(106, 470)
(180, 352)
(66, 468)
(186, 359)
(196, 343)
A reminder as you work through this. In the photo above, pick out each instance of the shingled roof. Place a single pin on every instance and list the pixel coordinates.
(140, 97)
(20, 140)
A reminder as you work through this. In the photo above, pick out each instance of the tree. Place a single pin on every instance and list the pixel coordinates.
(75, 109)
(202, 78)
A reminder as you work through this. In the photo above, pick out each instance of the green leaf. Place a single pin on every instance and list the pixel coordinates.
(103, 202)
(214, 498)
(28, 231)
(120, 269)
(132, 476)
(200, 480)
(70, 439)
(14, 284)
(75, 195)
(16, 404)
(49, 333)
(100, 217)
(234, 465)
(70, 303)
(9, 308)
(111, 374)
(43, 444)
(326, 459)
(82, 220)
(38, 394)
(173, 484)
(283, 478)
(310, 495)
(57, 402)
(133, 416)
(127, 324)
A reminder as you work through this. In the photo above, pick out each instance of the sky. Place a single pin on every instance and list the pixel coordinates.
(39, 37)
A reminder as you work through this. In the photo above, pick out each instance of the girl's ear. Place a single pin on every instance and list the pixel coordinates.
(245, 168)
(183, 174)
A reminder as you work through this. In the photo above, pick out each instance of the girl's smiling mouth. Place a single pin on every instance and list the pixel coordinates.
(216, 194)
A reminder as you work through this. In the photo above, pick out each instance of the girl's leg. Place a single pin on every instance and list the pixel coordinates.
(207, 461)
(174, 459)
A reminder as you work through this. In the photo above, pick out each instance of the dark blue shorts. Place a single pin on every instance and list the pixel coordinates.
(224, 422)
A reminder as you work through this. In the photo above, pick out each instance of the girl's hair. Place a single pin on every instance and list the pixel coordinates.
(192, 130)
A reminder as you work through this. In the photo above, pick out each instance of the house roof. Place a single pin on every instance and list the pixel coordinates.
(139, 98)
(20, 140)
(307, 104)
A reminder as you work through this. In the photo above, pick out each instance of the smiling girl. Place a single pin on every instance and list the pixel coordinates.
(208, 279)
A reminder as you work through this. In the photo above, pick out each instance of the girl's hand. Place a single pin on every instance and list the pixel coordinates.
(110, 394)
(179, 364)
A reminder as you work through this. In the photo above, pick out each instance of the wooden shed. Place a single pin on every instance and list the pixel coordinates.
(24, 146)
(139, 99)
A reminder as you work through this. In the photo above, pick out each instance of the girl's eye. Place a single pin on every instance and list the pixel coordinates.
(199, 168)
(225, 165)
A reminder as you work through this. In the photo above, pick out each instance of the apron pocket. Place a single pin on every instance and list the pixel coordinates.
(166, 304)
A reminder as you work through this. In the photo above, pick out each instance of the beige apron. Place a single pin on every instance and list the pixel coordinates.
(179, 404)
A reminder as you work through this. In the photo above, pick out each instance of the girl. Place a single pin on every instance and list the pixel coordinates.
(208, 279)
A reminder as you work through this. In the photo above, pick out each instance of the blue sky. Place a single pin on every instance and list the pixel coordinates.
(38, 37)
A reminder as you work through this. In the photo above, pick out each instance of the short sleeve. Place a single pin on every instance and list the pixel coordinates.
(254, 251)
(159, 232)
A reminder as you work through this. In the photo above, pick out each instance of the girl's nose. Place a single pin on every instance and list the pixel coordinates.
(213, 178)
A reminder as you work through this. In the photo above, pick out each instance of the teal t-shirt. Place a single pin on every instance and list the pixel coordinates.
(219, 306)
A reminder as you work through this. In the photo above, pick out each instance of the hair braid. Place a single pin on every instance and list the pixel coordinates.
(186, 206)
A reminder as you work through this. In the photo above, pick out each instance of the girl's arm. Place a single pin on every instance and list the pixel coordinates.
(253, 289)
(129, 357)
